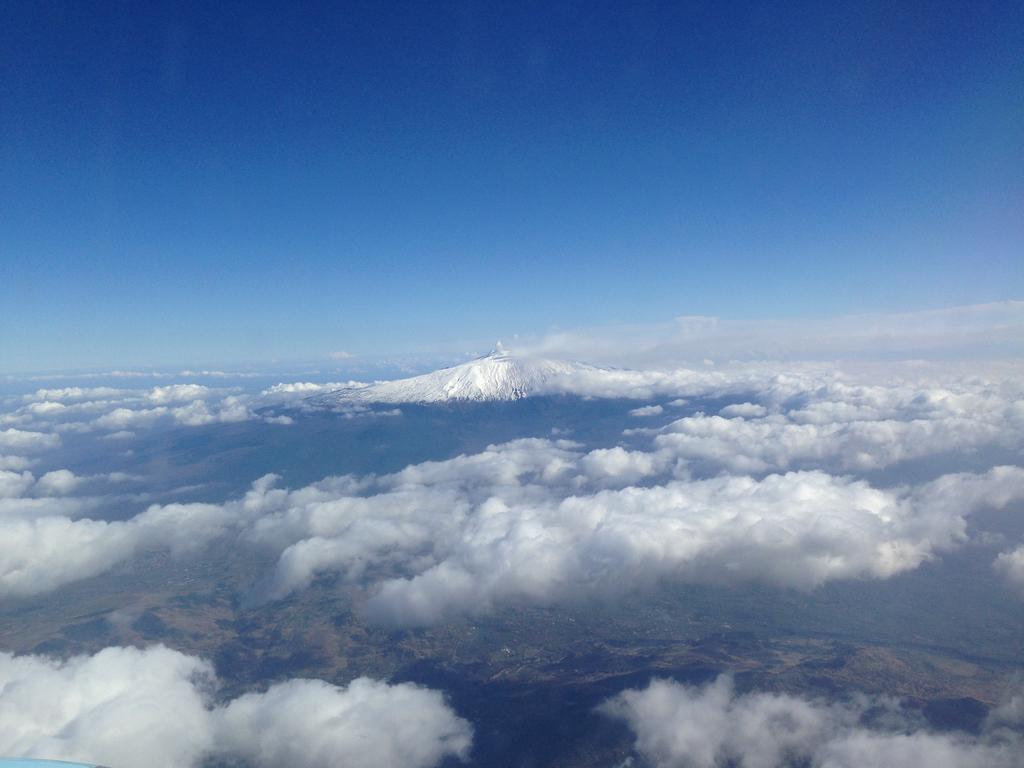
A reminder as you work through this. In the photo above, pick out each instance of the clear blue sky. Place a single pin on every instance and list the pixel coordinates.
(223, 182)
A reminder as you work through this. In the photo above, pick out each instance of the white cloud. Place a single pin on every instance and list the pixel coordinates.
(851, 428)
(1011, 566)
(25, 500)
(9, 461)
(282, 420)
(76, 393)
(744, 410)
(179, 393)
(46, 407)
(296, 391)
(46, 541)
(303, 388)
(647, 410)
(14, 484)
(20, 440)
(122, 434)
(679, 726)
(529, 521)
(516, 523)
(974, 332)
(42, 553)
(619, 467)
(70, 409)
(112, 708)
(123, 705)
(121, 419)
(198, 413)
(369, 724)
(795, 530)
(58, 482)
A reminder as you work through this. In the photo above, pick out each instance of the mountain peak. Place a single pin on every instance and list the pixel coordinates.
(499, 375)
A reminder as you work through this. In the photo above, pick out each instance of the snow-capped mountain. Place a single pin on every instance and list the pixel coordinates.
(501, 375)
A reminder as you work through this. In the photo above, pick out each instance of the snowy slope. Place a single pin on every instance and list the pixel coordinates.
(500, 375)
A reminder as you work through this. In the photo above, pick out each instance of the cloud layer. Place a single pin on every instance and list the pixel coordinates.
(678, 726)
(980, 331)
(123, 703)
(512, 525)
(527, 521)
(766, 490)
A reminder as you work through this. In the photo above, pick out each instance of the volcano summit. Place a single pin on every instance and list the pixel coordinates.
(501, 375)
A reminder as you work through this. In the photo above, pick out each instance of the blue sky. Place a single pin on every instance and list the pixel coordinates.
(237, 182)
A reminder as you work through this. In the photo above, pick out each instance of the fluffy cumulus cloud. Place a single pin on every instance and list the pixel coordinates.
(298, 390)
(178, 393)
(14, 484)
(536, 520)
(369, 724)
(41, 554)
(121, 703)
(47, 538)
(679, 726)
(58, 482)
(57, 493)
(1011, 566)
(24, 441)
(795, 530)
(34, 421)
(647, 410)
(189, 405)
(851, 427)
(745, 410)
(44, 546)
(9, 461)
(87, 409)
(532, 520)
(73, 394)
